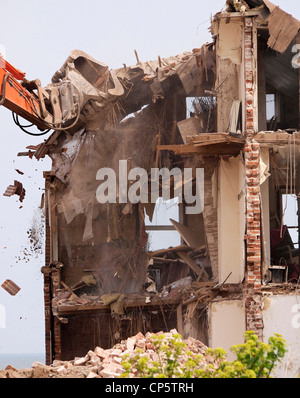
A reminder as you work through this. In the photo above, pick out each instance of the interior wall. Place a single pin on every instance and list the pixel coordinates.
(229, 60)
(265, 198)
(262, 106)
(281, 315)
(226, 325)
(266, 220)
(231, 220)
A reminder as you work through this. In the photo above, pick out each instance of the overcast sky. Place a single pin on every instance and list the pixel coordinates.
(37, 37)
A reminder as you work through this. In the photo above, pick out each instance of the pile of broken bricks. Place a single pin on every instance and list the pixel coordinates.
(102, 363)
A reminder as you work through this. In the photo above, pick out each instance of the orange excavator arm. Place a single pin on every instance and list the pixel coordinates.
(17, 98)
(80, 89)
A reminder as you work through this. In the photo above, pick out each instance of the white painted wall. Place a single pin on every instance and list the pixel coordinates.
(226, 325)
(231, 220)
(281, 314)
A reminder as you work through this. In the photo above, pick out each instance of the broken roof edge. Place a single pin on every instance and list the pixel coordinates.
(283, 27)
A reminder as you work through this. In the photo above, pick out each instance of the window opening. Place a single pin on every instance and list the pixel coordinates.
(162, 233)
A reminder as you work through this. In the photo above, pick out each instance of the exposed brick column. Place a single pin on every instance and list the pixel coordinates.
(253, 277)
(47, 303)
(51, 285)
(47, 283)
(52, 323)
(55, 274)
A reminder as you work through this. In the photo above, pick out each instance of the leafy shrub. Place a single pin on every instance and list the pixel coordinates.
(173, 359)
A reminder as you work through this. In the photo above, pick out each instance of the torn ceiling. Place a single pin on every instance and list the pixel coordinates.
(282, 27)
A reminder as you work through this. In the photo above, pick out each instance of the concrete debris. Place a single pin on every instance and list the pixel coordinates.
(102, 363)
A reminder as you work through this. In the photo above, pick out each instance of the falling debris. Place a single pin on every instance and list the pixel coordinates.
(19, 171)
(35, 236)
(16, 189)
(11, 287)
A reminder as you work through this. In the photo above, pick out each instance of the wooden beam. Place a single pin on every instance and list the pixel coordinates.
(277, 138)
(170, 250)
(159, 228)
(73, 309)
(191, 238)
(212, 150)
(215, 137)
(191, 263)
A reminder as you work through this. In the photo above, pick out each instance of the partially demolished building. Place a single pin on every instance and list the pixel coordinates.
(236, 266)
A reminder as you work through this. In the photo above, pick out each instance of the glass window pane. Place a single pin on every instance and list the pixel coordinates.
(159, 240)
(290, 218)
(270, 100)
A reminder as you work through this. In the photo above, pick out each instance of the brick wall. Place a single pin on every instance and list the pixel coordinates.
(51, 284)
(47, 285)
(57, 324)
(253, 276)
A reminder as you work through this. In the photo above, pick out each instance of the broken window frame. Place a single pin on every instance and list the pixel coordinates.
(157, 227)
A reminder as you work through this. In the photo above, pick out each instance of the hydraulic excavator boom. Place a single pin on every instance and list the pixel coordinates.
(79, 90)
(16, 97)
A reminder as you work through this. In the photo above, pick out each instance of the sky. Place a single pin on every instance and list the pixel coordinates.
(37, 37)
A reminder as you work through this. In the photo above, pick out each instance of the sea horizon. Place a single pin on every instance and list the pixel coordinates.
(20, 360)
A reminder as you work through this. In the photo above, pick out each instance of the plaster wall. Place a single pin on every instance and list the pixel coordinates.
(281, 314)
(226, 325)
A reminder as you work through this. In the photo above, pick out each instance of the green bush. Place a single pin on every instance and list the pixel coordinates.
(173, 359)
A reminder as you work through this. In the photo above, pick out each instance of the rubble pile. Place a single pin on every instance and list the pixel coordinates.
(103, 363)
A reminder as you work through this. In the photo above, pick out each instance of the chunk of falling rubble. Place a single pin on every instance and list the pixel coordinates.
(11, 287)
(16, 189)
